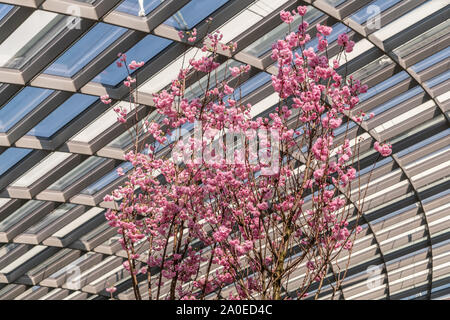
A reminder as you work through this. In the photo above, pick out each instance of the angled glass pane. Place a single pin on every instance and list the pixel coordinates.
(39, 170)
(23, 259)
(34, 34)
(423, 40)
(73, 264)
(100, 37)
(50, 218)
(10, 157)
(372, 67)
(77, 173)
(397, 100)
(371, 10)
(78, 222)
(252, 84)
(62, 115)
(438, 79)
(144, 50)
(107, 179)
(23, 103)
(4, 10)
(431, 60)
(138, 7)
(380, 87)
(7, 248)
(20, 214)
(193, 12)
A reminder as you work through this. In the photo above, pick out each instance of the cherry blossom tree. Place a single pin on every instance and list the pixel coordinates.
(221, 204)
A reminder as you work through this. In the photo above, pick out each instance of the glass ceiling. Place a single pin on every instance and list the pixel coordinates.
(79, 135)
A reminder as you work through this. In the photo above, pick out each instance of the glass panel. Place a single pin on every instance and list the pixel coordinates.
(35, 33)
(263, 44)
(372, 9)
(252, 84)
(107, 179)
(4, 10)
(132, 7)
(27, 256)
(50, 218)
(42, 266)
(73, 264)
(23, 103)
(96, 232)
(372, 67)
(100, 124)
(144, 50)
(397, 100)
(62, 115)
(88, 215)
(100, 37)
(431, 60)
(7, 248)
(409, 19)
(438, 79)
(423, 39)
(19, 214)
(194, 12)
(380, 87)
(82, 169)
(39, 170)
(10, 157)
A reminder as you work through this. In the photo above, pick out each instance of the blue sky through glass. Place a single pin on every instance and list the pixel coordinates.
(24, 102)
(100, 37)
(144, 50)
(10, 157)
(4, 9)
(132, 6)
(72, 107)
(194, 12)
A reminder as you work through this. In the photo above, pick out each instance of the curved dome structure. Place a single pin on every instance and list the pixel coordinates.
(60, 146)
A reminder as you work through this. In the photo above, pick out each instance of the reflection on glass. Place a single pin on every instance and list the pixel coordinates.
(72, 265)
(100, 37)
(194, 12)
(372, 67)
(34, 34)
(10, 157)
(431, 60)
(19, 214)
(251, 84)
(380, 87)
(144, 50)
(4, 10)
(54, 258)
(371, 10)
(7, 248)
(62, 115)
(134, 8)
(263, 44)
(82, 169)
(24, 258)
(397, 100)
(50, 218)
(40, 169)
(424, 39)
(23, 103)
(96, 232)
(438, 79)
(107, 179)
